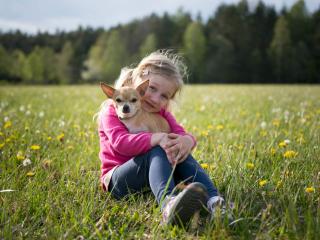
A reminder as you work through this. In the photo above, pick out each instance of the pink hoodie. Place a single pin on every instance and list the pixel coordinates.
(117, 145)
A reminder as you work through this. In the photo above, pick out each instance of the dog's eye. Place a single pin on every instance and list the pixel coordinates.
(133, 100)
(118, 100)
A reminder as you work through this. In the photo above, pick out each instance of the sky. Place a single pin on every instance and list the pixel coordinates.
(32, 16)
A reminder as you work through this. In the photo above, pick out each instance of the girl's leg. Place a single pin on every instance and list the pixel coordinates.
(191, 171)
(151, 168)
(159, 173)
(128, 178)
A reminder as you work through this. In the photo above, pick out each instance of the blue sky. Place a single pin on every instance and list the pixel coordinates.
(49, 15)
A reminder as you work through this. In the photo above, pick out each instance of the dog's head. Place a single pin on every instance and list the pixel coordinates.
(127, 100)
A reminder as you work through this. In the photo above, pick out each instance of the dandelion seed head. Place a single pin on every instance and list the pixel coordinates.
(26, 162)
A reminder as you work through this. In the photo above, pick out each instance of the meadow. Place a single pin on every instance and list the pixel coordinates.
(259, 144)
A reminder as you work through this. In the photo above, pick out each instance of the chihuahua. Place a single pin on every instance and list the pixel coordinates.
(127, 102)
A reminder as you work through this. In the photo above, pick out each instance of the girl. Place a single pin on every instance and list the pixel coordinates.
(131, 162)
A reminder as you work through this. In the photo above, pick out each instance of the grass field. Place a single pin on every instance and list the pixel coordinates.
(260, 145)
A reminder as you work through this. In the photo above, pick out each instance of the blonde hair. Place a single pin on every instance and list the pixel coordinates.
(161, 62)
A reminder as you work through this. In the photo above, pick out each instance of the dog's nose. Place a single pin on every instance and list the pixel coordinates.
(125, 109)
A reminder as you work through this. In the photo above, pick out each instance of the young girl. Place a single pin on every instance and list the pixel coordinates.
(131, 162)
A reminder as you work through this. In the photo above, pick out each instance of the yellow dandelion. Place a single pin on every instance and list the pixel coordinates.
(290, 154)
(279, 184)
(2, 145)
(263, 133)
(1, 133)
(282, 144)
(70, 147)
(273, 151)
(49, 138)
(30, 174)
(310, 189)
(204, 165)
(204, 133)
(7, 124)
(219, 127)
(210, 126)
(262, 183)
(276, 122)
(20, 155)
(250, 165)
(8, 140)
(60, 137)
(35, 147)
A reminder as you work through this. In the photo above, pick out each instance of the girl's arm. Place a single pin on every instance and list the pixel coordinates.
(176, 127)
(121, 140)
(178, 144)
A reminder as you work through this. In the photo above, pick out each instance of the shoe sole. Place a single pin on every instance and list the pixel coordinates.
(191, 200)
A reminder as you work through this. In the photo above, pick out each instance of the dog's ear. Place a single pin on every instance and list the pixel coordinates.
(142, 87)
(108, 90)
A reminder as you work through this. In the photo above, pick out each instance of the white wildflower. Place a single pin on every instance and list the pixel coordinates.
(263, 125)
(41, 114)
(22, 108)
(26, 162)
(287, 141)
(28, 112)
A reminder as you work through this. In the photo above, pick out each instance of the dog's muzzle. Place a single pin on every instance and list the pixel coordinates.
(126, 109)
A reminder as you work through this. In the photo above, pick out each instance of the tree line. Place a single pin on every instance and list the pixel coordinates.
(235, 45)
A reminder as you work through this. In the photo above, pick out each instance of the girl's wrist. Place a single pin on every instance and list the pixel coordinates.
(156, 138)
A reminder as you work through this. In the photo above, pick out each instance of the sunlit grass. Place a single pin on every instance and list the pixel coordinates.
(260, 145)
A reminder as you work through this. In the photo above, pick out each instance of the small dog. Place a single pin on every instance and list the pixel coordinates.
(127, 101)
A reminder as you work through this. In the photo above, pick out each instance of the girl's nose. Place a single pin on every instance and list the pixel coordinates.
(155, 99)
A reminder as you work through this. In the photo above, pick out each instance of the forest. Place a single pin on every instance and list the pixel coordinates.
(235, 44)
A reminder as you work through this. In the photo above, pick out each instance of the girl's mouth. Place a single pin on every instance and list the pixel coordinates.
(149, 105)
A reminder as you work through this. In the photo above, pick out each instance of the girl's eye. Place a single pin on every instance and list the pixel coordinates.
(133, 100)
(153, 89)
(118, 100)
(165, 97)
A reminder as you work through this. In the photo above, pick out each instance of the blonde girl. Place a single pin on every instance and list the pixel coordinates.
(159, 161)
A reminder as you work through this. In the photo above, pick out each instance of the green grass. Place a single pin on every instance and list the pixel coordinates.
(234, 125)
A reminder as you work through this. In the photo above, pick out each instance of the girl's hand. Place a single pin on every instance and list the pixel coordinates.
(178, 147)
(156, 138)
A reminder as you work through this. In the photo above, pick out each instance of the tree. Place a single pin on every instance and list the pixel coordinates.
(64, 64)
(19, 59)
(149, 45)
(4, 64)
(280, 50)
(194, 50)
(93, 65)
(106, 58)
(221, 65)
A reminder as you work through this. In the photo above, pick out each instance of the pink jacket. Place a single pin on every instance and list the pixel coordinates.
(117, 145)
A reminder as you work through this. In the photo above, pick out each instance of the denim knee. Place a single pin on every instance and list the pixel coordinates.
(158, 150)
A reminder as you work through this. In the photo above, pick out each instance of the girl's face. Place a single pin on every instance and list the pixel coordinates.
(158, 93)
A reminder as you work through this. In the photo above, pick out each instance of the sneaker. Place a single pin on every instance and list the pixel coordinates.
(179, 210)
(218, 210)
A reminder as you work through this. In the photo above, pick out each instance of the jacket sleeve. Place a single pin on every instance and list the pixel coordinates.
(176, 127)
(121, 140)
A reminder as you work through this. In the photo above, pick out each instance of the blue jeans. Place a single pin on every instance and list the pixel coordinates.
(153, 170)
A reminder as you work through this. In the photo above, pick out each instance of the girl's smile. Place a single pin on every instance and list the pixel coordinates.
(158, 93)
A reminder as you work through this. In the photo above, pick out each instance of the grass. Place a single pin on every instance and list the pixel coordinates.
(241, 132)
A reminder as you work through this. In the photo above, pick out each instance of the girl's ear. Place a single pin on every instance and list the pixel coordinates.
(142, 87)
(108, 90)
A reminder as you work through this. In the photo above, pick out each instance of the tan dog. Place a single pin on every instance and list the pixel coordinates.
(127, 101)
